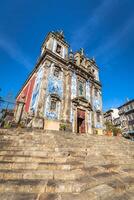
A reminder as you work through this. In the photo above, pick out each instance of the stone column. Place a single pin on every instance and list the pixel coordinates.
(67, 99)
(75, 120)
(86, 122)
(38, 121)
(101, 107)
(42, 93)
(19, 111)
(62, 114)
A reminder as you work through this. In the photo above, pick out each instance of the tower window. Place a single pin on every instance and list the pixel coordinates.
(98, 117)
(58, 49)
(56, 72)
(81, 90)
(53, 105)
(96, 92)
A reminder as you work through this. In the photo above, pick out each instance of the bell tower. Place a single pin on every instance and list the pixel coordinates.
(55, 42)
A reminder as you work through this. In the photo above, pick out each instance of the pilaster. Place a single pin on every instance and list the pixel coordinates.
(91, 100)
(68, 97)
(42, 93)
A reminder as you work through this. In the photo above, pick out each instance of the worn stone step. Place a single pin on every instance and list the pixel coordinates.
(64, 166)
(125, 195)
(77, 186)
(35, 186)
(33, 159)
(96, 193)
(52, 186)
(18, 196)
(22, 186)
(33, 153)
(28, 158)
(42, 174)
(40, 166)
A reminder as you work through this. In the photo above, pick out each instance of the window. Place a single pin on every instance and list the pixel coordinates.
(56, 72)
(96, 92)
(58, 49)
(131, 106)
(98, 117)
(132, 116)
(53, 105)
(81, 91)
(129, 117)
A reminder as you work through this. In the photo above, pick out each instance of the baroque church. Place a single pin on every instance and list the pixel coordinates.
(63, 91)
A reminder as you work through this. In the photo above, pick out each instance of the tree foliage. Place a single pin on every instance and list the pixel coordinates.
(112, 128)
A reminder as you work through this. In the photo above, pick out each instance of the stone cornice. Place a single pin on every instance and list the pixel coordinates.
(82, 101)
(98, 83)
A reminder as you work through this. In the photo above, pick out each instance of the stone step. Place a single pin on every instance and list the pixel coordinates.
(33, 153)
(18, 196)
(49, 186)
(64, 166)
(41, 165)
(84, 183)
(71, 151)
(125, 195)
(22, 186)
(86, 161)
(37, 159)
(96, 193)
(90, 185)
(77, 186)
(72, 137)
(42, 174)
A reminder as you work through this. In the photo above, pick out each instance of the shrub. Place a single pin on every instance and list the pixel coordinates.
(62, 127)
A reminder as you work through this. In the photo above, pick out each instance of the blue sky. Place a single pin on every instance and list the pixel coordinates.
(104, 28)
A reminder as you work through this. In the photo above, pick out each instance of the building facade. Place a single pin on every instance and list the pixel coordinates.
(111, 115)
(63, 90)
(126, 113)
(122, 117)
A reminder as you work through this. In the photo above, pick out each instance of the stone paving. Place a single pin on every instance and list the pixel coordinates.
(48, 165)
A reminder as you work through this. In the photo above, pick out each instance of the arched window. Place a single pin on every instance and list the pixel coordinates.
(53, 105)
(81, 88)
(58, 49)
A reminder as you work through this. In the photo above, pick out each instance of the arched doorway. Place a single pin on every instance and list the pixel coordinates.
(80, 121)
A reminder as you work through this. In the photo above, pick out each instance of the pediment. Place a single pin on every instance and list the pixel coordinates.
(55, 96)
(82, 101)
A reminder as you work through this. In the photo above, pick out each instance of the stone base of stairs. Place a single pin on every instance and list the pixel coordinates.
(48, 165)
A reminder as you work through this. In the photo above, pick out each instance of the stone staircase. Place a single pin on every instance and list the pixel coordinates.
(46, 165)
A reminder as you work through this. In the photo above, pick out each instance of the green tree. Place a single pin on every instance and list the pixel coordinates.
(112, 128)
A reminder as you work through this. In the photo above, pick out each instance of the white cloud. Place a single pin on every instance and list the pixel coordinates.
(15, 53)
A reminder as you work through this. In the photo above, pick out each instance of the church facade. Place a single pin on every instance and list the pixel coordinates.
(63, 91)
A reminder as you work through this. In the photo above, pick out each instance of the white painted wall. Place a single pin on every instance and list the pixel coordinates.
(115, 113)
